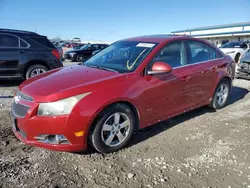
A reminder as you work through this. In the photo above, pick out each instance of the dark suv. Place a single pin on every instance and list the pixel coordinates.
(26, 54)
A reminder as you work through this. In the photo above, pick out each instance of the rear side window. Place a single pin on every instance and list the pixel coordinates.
(200, 52)
(23, 44)
(9, 41)
(43, 41)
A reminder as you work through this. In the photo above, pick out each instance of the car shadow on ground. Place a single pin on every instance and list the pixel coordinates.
(237, 93)
(10, 83)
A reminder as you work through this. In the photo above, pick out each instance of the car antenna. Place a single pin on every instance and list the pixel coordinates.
(35, 30)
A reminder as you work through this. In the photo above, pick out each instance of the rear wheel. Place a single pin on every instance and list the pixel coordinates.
(221, 95)
(35, 70)
(113, 129)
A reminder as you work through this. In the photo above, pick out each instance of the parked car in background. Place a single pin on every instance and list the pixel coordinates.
(129, 85)
(244, 67)
(78, 46)
(76, 40)
(84, 53)
(26, 54)
(236, 49)
(95, 52)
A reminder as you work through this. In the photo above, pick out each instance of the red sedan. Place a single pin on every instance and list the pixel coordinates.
(129, 85)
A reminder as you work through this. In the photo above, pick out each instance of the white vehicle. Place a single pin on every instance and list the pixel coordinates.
(236, 49)
(76, 40)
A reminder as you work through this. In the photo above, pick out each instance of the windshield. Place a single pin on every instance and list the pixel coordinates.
(85, 47)
(232, 45)
(122, 56)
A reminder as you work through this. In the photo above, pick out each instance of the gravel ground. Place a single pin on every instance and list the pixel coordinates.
(201, 148)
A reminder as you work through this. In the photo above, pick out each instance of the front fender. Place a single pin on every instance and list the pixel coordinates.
(88, 109)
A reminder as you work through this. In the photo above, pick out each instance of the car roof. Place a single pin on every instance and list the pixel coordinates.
(157, 38)
(17, 32)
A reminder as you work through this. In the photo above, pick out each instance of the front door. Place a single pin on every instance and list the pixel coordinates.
(167, 95)
(9, 55)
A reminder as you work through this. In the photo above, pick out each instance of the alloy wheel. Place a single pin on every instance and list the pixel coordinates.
(222, 94)
(115, 129)
(37, 71)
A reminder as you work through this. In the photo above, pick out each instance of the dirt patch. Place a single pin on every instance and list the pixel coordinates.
(201, 148)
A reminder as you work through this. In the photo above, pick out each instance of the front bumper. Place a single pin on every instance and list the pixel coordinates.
(70, 57)
(31, 126)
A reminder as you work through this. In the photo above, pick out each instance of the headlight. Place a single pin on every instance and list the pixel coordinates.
(72, 54)
(61, 107)
(230, 52)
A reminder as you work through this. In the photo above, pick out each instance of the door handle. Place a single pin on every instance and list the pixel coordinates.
(186, 78)
(21, 51)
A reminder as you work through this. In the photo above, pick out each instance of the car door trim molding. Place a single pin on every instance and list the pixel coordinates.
(201, 62)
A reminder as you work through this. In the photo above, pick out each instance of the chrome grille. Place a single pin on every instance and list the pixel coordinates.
(19, 110)
(23, 96)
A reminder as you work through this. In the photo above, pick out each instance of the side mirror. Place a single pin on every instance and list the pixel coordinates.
(160, 68)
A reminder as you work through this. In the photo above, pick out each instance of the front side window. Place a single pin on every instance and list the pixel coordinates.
(9, 41)
(121, 56)
(200, 52)
(173, 54)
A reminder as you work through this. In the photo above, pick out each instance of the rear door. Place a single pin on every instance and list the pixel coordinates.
(203, 61)
(9, 55)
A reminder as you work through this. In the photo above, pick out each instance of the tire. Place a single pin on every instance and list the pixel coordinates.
(106, 134)
(218, 102)
(237, 58)
(80, 58)
(31, 71)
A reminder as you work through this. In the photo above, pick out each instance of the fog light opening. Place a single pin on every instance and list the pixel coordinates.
(52, 139)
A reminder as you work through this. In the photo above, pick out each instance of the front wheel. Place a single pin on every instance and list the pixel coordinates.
(113, 129)
(80, 58)
(221, 95)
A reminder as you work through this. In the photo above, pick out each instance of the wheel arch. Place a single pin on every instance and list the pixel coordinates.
(127, 103)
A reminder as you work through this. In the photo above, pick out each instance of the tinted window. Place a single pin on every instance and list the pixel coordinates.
(43, 41)
(23, 44)
(244, 46)
(174, 54)
(8, 41)
(200, 52)
(232, 45)
(95, 47)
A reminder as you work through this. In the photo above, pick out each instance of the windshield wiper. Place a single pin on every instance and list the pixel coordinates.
(102, 68)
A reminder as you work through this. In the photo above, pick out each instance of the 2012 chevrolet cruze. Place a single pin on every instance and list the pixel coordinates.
(130, 85)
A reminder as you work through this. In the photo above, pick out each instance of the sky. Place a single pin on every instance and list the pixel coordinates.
(110, 20)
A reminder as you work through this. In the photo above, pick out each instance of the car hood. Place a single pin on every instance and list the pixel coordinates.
(225, 50)
(66, 82)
